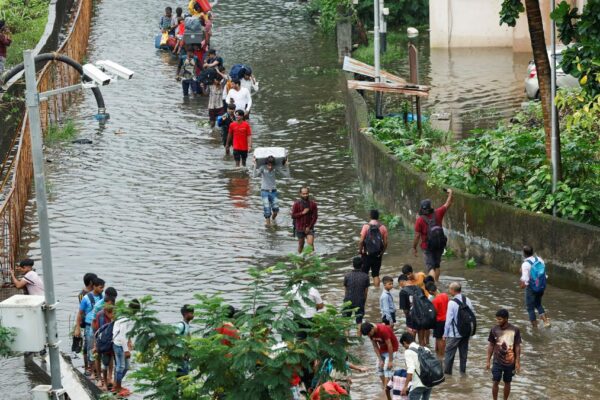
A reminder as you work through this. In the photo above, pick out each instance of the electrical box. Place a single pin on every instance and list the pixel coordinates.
(42, 392)
(25, 315)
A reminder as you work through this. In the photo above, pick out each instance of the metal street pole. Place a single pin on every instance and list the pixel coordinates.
(35, 129)
(377, 55)
(554, 124)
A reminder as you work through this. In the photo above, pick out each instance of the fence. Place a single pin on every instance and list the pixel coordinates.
(52, 75)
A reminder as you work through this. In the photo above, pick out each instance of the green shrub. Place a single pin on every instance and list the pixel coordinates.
(27, 24)
(61, 133)
(7, 336)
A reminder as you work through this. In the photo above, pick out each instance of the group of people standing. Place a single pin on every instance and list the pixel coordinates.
(427, 310)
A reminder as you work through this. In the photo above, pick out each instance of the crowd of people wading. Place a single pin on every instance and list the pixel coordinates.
(431, 323)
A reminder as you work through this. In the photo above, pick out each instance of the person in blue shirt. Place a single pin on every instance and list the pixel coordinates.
(85, 318)
(386, 302)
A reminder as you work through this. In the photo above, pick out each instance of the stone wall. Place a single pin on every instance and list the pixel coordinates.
(492, 232)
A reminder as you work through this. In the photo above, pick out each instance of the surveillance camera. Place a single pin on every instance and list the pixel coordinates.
(95, 74)
(115, 69)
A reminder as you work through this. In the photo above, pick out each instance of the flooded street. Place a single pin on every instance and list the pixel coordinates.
(154, 207)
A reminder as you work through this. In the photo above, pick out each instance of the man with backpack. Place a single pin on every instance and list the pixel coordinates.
(372, 245)
(533, 280)
(418, 309)
(103, 342)
(85, 317)
(460, 325)
(423, 369)
(429, 231)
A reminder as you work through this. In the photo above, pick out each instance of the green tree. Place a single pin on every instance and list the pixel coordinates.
(582, 60)
(260, 362)
(511, 9)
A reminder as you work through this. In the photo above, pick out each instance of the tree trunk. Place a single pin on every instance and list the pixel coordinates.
(542, 64)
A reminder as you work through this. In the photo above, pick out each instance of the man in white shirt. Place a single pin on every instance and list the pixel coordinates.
(308, 310)
(122, 348)
(31, 280)
(533, 299)
(418, 391)
(240, 96)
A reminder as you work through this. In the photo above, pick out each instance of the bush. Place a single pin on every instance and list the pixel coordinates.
(509, 163)
(27, 24)
(260, 362)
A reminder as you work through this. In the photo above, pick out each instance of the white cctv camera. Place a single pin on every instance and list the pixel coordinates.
(95, 74)
(115, 69)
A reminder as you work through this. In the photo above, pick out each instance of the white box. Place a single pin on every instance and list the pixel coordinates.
(262, 153)
(25, 315)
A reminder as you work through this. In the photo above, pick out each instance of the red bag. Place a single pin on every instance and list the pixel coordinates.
(204, 5)
(171, 42)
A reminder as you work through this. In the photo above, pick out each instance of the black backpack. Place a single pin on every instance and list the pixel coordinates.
(432, 372)
(436, 239)
(374, 240)
(422, 312)
(207, 76)
(466, 323)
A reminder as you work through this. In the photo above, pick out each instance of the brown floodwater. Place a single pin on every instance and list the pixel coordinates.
(157, 208)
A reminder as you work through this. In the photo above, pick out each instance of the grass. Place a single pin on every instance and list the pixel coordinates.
(329, 107)
(61, 133)
(27, 25)
(395, 49)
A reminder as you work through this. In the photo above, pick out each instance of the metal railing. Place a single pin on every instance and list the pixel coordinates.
(12, 210)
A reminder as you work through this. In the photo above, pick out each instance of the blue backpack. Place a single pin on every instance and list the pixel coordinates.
(537, 275)
(104, 338)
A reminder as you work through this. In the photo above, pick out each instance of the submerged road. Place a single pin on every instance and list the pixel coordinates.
(154, 207)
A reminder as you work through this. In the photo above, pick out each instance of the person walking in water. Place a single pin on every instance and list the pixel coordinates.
(505, 345)
(372, 245)
(459, 327)
(533, 280)
(239, 96)
(429, 231)
(268, 190)
(240, 135)
(304, 214)
(356, 284)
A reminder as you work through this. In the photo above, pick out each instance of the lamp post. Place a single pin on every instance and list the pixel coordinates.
(96, 77)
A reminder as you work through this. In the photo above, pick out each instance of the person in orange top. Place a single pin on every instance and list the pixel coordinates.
(440, 302)
(240, 135)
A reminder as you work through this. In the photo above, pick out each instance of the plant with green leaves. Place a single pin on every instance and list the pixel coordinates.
(582, 58)
(405, 140)
(7, 336)
(263, 354)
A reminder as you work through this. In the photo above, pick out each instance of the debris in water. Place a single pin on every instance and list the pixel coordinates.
(82, 141)
(293, 121)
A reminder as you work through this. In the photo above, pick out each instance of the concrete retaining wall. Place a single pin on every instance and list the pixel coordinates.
(492, 232)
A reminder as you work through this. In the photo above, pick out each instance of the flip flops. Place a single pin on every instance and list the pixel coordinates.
(124, 392)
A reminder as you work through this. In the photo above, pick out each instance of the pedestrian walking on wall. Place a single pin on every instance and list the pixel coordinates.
(305, 214)
(429, 232)
(460, 326)
(372, 244)
(505, 347)
(533, 280)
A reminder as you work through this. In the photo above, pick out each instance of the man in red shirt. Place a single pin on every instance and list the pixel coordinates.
(430, 217)
(304, 214)
(241, 136)
(385, 344)
(5, 41)
(440, 303)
